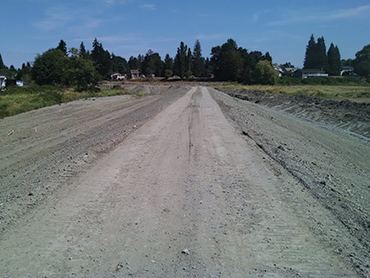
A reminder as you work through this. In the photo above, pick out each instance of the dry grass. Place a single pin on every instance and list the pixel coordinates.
(354, 93)
(17, 100)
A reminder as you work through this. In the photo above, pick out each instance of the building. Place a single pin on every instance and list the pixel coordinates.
(2, 81)
(347, 70)
(135, 74)
(117, 76)
(313, 73)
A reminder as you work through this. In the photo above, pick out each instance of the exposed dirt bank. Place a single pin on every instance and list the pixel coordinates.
(345, 114)
(329, 157)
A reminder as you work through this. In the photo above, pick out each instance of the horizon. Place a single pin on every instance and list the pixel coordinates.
(129, 27)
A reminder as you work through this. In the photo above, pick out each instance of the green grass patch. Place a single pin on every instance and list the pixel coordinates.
(322, 91)
(17, 100)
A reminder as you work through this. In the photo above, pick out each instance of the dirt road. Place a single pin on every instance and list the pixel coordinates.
(183, 194)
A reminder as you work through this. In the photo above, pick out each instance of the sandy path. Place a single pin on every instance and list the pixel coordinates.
(184, 180)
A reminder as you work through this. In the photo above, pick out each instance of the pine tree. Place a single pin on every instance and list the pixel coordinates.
(180, 63)
(309, 61)
(321, 58)
(2, 66)
(63, 47)
(197, 60)
(101, 59)
(334, 64)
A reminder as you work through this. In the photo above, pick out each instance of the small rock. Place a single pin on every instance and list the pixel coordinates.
(185, 251)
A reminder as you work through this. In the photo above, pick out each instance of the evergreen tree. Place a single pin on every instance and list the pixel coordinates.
(309, 61)
(334, 64)
(2, 66)
(180, 63)
(197, 60)
(133, 63)
(119, 64)
(63, 47)
(152, 64)
(189, 57)
(268, 57)
(321, 58)
(168, 63)
(101, 59)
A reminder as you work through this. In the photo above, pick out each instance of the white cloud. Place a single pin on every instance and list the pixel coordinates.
(296, 17)
(148, 6)
(55, 17)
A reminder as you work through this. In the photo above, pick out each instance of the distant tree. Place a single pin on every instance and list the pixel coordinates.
(197, 65)
(227, 61)
(268, 57)
(49, 68)
(101, 59)
(133, 63)
(208, 66)
(168, 63)
(322, 59)
(180, 62)
(119, 64)
(2, 66)
(167, 73)
(362, 62)
(264, 73)
(316, 56)
(152, 64)
(83, 52)
(62, 47)
(334, 64)
(81, 73)
(310, 60)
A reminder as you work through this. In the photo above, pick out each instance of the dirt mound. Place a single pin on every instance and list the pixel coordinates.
(345, 114)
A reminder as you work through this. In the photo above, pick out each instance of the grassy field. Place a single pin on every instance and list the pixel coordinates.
(354, 93)
(17, 100)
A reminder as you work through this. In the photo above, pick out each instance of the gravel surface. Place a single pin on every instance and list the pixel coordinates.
(183, 182)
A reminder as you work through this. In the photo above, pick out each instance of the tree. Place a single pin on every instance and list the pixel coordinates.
(227, 61)
(2, 66)
(101, 59)
(62, 47)
(264, 73)
(152, 64)
(316, 57)
(119, 64)
(168, 63)
(133, 63)
(49, 68)
(334, 64)
(362, 62)
(309, 61)
(197, 60)
(180, 63)
(321, 58)
(81, 72)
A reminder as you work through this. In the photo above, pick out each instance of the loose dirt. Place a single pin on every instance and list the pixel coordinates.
(184, 182)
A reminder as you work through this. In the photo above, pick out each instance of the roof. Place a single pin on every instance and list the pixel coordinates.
(312, 71)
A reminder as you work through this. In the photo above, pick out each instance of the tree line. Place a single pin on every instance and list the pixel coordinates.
(83, 69)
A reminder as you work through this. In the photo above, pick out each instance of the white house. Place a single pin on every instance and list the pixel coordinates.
(117, 76)
(2, 81)
(313, 73)
(347, 70)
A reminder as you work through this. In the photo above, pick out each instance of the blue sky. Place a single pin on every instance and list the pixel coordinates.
(131, 27)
